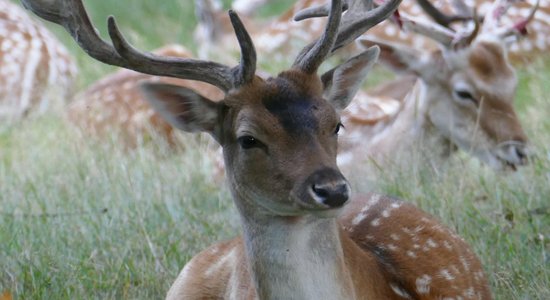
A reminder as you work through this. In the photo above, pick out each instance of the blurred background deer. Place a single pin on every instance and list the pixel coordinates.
(37, 73)
(463, 98)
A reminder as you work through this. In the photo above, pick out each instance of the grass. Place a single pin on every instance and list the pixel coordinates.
(82, 219)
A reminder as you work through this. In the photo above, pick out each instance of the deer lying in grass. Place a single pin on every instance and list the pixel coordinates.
(276, 38)
(535, 36)
(282, 35)
(36, 71)
(279, 138)
(114, 105)
(463, 98)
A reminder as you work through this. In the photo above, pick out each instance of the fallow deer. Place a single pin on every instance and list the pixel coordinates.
(37, 71)
(279, 138)
(535, 36)
(114, 105)
(463, 98)
(534, 39)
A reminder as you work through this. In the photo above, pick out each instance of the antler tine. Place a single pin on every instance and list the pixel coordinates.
(442, 35)
(247, 66)
(323, 10)
(520, 27)
(495, 13)
(129, 57)
(316, 11)
(72, 15)
(465, 41)
(313, 55)
(439, 17)
(358, 19)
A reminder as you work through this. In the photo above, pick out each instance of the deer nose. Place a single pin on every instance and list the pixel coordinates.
(514, 153)
(333, 193)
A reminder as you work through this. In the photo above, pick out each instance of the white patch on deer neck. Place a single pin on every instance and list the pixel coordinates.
(297, 259)
(408, 129)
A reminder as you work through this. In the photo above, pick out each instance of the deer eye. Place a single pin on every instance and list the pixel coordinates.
(248, 142)
(464, 95)
(338, 127)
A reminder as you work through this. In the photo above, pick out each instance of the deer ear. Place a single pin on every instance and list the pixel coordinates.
(397, 57)
(182, 108)
(342, 83)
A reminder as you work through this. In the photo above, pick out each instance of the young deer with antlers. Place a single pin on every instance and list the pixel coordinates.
(279, 138)
(463, 98)
(37, 72)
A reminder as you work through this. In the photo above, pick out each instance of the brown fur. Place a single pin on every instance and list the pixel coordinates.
(374, 264)
(490, 62)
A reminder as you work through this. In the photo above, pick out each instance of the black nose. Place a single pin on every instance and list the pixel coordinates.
(332, 194)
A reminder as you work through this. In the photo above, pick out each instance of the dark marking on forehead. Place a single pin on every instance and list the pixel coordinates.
(294, 109)
(489, 61)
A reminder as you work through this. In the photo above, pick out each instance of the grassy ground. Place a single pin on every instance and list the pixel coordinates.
(84, 220)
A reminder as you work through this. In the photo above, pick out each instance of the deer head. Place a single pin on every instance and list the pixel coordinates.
(469, 86)
(279, 136)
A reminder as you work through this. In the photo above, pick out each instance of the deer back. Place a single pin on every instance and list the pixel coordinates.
(37, 72)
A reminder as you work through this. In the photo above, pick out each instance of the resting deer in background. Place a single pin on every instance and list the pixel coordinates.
(457, 14)
(279, 138)
(275, 38)
(36, 71)
(463, 98)
(531, 42)
(115, 105)
(282, 35)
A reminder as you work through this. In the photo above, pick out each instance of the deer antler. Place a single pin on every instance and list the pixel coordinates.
(498, 10)
(72, 15)
(311, 57)
(358, 19)
(443, 19)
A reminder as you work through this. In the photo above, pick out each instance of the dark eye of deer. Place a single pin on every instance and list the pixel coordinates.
(338, 127)
(248, 142)
(465, 95)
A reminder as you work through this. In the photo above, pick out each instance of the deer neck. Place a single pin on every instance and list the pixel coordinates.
(296, 258)
(411, 126)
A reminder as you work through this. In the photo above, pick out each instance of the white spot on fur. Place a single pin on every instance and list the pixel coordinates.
(396, 205)
(364, 211)
(399, 291)
(446, 274)
(423, 284)
(465, 263)
(431, 243)
(469, 293)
